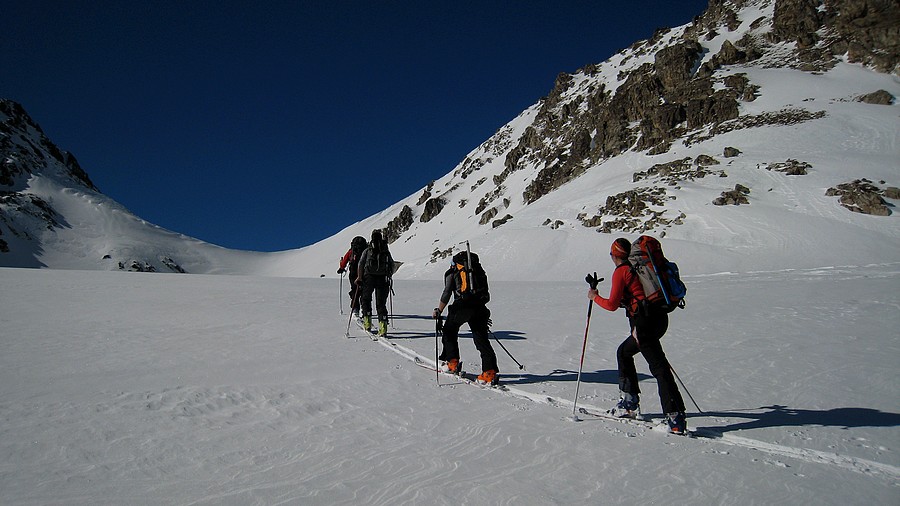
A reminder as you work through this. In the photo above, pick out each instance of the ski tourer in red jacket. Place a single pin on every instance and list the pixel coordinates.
(648, 325)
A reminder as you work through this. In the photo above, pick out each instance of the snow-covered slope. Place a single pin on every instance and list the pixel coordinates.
(134, 388)
(813, 117)
(739, 103)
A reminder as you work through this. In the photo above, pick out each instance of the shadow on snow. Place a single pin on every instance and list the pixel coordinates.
(610, 377)
(783, 416)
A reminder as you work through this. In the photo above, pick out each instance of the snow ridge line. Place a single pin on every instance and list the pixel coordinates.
(861, 466)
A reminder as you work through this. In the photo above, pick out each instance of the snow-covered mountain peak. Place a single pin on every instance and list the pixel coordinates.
(26, 150)
(762, 135)
(652, 139)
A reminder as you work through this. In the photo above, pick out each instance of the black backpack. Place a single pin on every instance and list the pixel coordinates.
(379, 261)
(358, 245)
(471, 281)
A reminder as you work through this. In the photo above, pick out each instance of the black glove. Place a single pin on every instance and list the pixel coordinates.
(341, 270)
(593, 280)
(435, 314)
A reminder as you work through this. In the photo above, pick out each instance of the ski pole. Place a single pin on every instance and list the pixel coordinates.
(593, 281)
(438, 330)
(391, 300)
(352, 307)
(685, 389)
(341, 293)
(521, 367)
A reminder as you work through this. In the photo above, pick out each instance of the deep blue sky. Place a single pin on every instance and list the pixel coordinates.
(271, 125)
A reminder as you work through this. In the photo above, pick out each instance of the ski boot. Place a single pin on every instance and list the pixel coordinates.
(629, 406)
(367, 323)
(677, 423)
(382, 328)
(489, 377)
(452, 366)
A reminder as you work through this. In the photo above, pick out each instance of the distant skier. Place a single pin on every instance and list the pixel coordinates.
(350, 261)
(469, 306)
(376, 266)
(648, 325)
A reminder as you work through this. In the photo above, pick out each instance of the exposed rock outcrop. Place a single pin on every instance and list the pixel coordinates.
(790, 167)
(734, 197)
(433, 207)
(398, 225)
(862, 196)
(880, 97)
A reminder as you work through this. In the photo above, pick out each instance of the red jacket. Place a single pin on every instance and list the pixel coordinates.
(626, 291)
(346, 258)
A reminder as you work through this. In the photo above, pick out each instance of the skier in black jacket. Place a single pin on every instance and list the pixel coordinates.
(469, 306)
(376, 266)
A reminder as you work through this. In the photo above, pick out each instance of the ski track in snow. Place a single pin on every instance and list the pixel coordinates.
(156, 389)
(813, 456)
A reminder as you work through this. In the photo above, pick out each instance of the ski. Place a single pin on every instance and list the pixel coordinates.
(371, 333)
(462, 376)
(518, 393)
(640, 422)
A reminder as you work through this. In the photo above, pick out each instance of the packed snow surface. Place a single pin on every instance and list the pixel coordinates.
(132, 388)
(129, 388)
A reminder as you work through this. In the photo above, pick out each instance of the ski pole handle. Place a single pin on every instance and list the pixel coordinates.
(593, 280)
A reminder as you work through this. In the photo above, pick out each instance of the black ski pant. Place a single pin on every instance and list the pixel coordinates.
(381, 286)
(354, 288)
(649, 330)
(476, 315)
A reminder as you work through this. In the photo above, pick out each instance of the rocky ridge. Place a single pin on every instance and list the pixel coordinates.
(651, 105)
(27, 155)
(682, 85)
(24, 151)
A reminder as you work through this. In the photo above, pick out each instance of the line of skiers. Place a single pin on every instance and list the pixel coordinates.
(371, 267)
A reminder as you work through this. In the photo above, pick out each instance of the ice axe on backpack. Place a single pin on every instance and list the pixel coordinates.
(593, 281)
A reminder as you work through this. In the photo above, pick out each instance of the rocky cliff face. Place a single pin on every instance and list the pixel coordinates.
(679, 86)
(867, 31)
(659, 102)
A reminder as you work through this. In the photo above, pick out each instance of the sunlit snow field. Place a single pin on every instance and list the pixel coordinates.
(126, 388)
